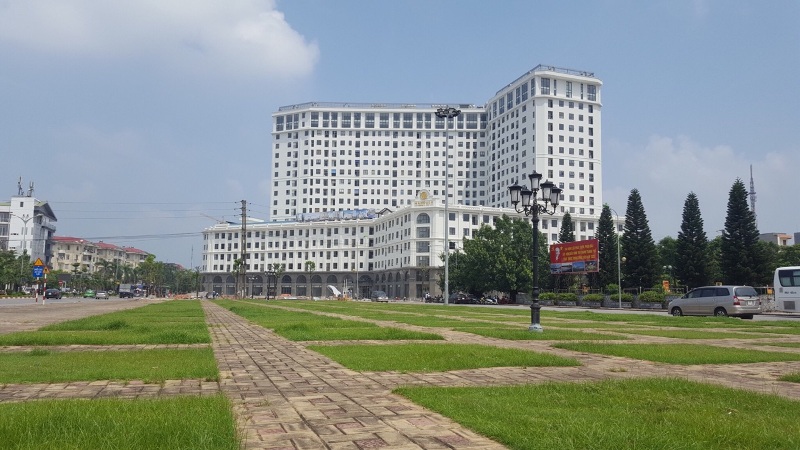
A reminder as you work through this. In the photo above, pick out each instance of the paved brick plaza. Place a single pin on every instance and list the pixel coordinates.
(287, 397)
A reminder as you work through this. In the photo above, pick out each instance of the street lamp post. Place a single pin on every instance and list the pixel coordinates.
(619, 265)
(447, 113)
(525, 198)
(270, 274)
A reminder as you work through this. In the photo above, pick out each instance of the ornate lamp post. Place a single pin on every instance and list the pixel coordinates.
(271, 274)
(447, 114)
(525, 201)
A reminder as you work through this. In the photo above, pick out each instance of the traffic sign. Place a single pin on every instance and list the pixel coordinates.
(38, 263)
(38, 271)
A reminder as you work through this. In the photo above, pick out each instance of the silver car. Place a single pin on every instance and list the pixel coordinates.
(738, 301)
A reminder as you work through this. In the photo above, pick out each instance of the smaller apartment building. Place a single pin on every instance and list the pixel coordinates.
(71, 253)
(27, 226)
(353, 251)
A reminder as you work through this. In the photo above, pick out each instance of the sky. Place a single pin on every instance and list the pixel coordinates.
(142, 122)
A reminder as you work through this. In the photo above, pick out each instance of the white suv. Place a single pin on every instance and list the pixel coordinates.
(739, 301)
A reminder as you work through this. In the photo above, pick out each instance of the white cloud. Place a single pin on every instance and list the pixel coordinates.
(667, 169)
(241, 37)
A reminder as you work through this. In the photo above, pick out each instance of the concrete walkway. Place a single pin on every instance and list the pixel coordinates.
(288, 397)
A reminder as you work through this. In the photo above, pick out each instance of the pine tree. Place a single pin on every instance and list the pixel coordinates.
(740, 261)
(638, 248)
(567, 232)
(607, 240)
(692, 258)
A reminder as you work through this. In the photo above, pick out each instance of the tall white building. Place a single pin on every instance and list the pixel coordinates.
(334, 156)
(330, 160)
(548, 120)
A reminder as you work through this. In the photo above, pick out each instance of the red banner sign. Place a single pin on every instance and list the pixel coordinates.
(574, 257)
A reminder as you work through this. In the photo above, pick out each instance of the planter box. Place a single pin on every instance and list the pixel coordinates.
(591, 304)
(648, 305)
(614, 303)
(563, 303)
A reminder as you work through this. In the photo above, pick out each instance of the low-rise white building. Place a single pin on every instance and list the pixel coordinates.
(359, 251)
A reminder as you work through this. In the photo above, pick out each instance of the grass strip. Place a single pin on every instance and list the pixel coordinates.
(436, 357)
(616, 414)
(685, 354)
(150, 366)
(792, 377)
(300, 326)
(780, 344)
(172, 322)
(174, 423)
(549, 334)
(694, 334)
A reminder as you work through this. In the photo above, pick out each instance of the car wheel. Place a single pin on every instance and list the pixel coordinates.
(676, 312)
(720, 312)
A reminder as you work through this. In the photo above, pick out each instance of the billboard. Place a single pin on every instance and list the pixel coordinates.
(574, 257)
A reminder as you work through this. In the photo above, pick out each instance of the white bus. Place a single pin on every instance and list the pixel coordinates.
(787, 289)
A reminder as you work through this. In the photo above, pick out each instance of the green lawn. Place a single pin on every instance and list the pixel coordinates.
(554, 334)
(173, 322)
(156, 365)
(435, 357)
(681, 353)
(618, 414)
(189, 423)
(300, 326)
(793, 377)
(694, 334)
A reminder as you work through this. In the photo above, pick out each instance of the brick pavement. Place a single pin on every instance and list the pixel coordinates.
(287, 397)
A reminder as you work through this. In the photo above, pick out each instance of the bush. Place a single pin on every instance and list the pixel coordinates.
(612, 289)
(626, 297)
(567, 297)
(651, 297)
(592, 298)
(548, 296)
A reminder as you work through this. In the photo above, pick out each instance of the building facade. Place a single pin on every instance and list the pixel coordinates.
(72, 254)
(393, 251)
(352, 184)
(27, 226)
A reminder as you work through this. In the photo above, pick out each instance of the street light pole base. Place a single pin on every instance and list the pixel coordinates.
(535, 327)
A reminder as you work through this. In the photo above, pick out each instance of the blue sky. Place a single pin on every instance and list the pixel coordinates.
(138, 119)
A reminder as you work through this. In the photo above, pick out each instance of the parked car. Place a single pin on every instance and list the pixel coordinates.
(52, 293)
(101, 294)
(379, 296)
(737, 301)
(89, 294)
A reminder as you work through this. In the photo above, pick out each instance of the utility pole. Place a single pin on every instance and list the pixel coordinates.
(243, 243)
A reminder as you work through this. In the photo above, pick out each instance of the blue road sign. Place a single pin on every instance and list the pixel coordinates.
(38, 271)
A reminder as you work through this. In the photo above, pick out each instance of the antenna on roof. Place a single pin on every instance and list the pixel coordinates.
(30, 189)
(19, 187)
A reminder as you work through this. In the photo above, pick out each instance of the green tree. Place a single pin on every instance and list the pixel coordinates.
(638, 248)
(714, 252)
(498, 258)
(9, 268)
(607, 241)
(567, 232)
(740, 259)
(152, 273)
(692, 251)
(789, 256)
